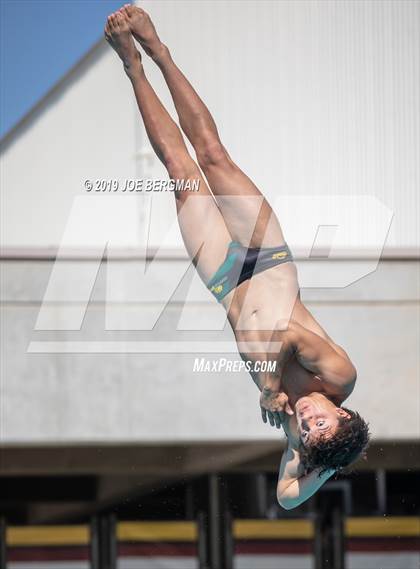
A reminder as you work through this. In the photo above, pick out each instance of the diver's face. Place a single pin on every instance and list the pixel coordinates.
(317, 417)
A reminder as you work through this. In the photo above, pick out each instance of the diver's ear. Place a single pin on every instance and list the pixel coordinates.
(343, 413)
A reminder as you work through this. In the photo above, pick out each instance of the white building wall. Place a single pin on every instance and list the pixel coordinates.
(149, 397)
(84, 130)
(311, 98)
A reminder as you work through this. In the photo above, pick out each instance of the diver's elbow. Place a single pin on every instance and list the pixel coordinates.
(286, 502)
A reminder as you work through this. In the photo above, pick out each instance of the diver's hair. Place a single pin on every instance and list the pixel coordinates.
(348, 444)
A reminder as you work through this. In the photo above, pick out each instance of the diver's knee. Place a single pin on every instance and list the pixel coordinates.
(211, 152)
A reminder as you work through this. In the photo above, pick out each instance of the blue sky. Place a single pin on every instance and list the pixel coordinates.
(40, 41)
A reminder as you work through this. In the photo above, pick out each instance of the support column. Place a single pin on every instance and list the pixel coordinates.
(3, 544)
(215, 543)
(329, 546)
(103, 542)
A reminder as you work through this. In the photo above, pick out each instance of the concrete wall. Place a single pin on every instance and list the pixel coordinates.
(61, 394)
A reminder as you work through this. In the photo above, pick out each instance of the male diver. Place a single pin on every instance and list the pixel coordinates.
(238, 248)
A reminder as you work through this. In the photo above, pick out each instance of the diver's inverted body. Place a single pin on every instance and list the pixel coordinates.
(238, 248)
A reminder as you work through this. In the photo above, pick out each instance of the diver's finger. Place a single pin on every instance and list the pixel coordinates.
(271, 418)
(264, 414)
(288, 409)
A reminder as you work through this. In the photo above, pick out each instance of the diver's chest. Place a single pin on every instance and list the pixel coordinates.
(297, 381)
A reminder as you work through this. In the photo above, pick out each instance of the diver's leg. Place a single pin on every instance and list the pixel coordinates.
(201, 220)
(247, 213)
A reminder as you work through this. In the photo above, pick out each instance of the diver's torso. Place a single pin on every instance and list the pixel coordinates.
(265, 301)
(263, 304)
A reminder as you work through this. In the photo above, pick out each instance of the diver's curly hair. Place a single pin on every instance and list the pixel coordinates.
(347, 445)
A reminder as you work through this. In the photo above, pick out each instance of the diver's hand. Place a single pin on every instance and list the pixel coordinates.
(274, 405)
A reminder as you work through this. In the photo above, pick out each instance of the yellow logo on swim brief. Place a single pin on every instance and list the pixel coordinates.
(279, 255)
(217, 289)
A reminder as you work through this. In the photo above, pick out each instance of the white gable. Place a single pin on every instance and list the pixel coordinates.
(310, 98)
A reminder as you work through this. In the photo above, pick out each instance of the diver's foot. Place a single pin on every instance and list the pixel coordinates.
(143, 30)
(118, 35)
